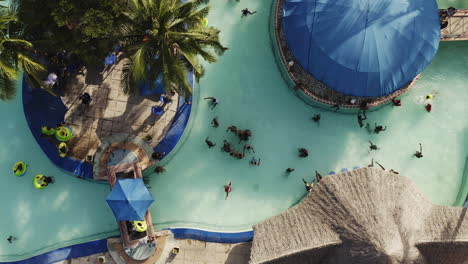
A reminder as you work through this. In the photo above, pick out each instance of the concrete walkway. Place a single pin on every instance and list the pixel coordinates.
(110, 111)
(191, 252)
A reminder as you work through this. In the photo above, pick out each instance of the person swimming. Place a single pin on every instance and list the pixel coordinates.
(246, 12)
(372, 146)
(379, 128)
(289, 170)
(255, 162)
(159, 169)
(396, 102)
(215, 122)
(372, 164)
(227, 190)
(419, 153)
(214, 101)
(303, 152)
(10, 239)
(226, 146)
(232, 129)
(209, 143)
(429, 108)
(249, 147)
(316, 118)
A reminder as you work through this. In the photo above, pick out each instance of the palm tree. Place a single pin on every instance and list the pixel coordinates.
(164, 39)
(15, 55)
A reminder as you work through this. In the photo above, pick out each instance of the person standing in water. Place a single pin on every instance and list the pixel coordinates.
(289, 170)
(308, 186)
(419, 153)
(227, 190)
(249, 147)
(318, 176)
(361, 118)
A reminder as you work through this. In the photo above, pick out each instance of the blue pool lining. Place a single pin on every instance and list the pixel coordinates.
(100, 246)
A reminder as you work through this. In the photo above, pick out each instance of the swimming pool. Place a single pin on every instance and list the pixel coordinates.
(252, 95)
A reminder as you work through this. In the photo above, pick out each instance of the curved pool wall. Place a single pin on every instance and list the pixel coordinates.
(44, 109)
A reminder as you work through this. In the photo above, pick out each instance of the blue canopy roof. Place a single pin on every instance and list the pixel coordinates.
(129, 200)
(362, 47)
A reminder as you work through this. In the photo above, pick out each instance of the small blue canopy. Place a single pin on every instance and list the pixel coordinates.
(129, 200)
(362, 47)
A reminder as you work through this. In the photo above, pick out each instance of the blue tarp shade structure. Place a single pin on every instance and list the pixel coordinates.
(362, 47)
(129, 200)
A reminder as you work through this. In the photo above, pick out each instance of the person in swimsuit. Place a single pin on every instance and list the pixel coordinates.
(372, 146)
(232, 129)
(316, 118)
(227, 190)
(209, 143)
(158, 155)
(396, 102)
(249, 147)
(10, 239)
(379, 128)
(372, 164)
(159, 169)
(214, 101)
(215, 122)
(361, 118)
(318, 176)
(303, 153)
(308, 186)
(255, 162)
(289, 170)
(246, 12)
(429, 108)
(419, 153)
(226, 146)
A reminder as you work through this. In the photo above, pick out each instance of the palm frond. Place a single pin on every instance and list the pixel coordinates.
(7, 88)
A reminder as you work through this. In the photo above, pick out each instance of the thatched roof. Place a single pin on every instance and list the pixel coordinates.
(364, 216)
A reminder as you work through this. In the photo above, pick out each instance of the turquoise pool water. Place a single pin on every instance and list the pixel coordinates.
(252, 95)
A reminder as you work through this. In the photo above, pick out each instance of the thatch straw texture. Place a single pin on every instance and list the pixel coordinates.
(364, 216)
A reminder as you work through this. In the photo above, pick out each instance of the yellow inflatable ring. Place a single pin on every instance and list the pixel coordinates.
(140, 226)
(63, 133)
(17, 171)
(47, 130)
(38, 183)
(61, 145)
(205, 22)
(429, 96)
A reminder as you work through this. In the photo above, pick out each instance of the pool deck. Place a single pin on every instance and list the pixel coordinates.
(191, 252)
(111, 111)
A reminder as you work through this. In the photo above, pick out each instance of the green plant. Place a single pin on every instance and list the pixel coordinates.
(164, 39)
(15, 54)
